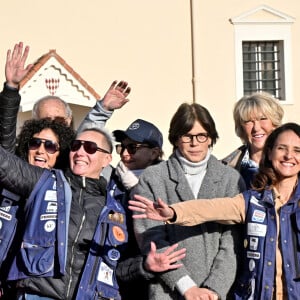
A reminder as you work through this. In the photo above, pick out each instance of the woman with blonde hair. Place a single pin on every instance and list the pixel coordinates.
(255, 117)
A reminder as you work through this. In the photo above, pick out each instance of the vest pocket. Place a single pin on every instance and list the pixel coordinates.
(38, 259)
(106, 284)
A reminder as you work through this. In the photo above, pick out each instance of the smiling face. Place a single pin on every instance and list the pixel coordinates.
(40, 157)
(257, 129)
(194, 151)
(285, 155)
(90, 165)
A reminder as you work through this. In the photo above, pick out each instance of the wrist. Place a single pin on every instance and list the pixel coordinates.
(212, 290)
(105, 106)
(12, 85)
(172, 217)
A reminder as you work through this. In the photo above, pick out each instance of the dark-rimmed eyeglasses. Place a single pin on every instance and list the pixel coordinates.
(50, 146)
(88, 146)
(200, 137)
(131, 148)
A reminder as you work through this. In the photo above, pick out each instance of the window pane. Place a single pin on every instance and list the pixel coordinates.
(261, 67)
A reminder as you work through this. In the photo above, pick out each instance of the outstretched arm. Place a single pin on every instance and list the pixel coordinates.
(114, 98)
(189, 213)
(10, 98)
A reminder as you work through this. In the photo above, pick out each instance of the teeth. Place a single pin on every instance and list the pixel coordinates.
(39, 159)
(80, 162)
(288, 164)
(258, 135)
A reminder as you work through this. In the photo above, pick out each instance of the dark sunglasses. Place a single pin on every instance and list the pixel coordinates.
(50, 146)
(131, 148)
(89, 147)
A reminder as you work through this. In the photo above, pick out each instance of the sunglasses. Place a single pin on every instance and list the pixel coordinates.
(50, 146)
(89, 147)
(131, 148)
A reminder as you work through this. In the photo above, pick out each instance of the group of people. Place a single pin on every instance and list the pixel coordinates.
(66, 223)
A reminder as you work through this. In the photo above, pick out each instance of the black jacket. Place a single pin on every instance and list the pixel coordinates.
(88, 198)
(9, 106)
(87, 201)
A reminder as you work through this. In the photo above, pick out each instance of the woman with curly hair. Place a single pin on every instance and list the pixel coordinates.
(45, 143)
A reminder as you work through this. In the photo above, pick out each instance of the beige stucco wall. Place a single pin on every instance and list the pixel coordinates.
(147, 43)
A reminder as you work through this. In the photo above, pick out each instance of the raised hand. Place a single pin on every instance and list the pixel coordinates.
(15, 69)
(148, 209)
(116, 96)
(160, 262)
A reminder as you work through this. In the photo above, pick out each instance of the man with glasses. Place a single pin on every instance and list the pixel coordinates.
(140, 146)
(90, 153)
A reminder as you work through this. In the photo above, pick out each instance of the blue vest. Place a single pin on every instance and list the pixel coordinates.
(8, 222)
(256, 280)
(99, 276)
(44, 245)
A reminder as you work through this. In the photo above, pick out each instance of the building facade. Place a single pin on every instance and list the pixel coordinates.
(171, 51)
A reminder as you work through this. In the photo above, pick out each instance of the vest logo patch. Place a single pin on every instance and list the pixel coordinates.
(258, 216)
(113, 254)
(49, 226)
(118, 233)
(51, 207)
(6, 205)
(5, 216)
(48, 217)
(50, 195)
(116, 217)
(105, 274)
(255, 201)
(251, 265)
(253, 243)
(256, 229)
(254, 255)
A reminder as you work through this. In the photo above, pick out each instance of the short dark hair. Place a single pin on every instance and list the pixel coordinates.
(184, 119)
(64, 133)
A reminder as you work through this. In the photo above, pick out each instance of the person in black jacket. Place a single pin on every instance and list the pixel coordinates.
(91, 152)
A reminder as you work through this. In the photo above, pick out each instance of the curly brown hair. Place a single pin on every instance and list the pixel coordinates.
(64, 133)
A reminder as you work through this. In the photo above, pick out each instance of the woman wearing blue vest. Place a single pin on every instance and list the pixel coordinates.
(270, 212)
(255, 117)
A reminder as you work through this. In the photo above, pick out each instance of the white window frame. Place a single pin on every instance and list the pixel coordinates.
(263, 24)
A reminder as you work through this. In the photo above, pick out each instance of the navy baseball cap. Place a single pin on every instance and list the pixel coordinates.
(141, 131)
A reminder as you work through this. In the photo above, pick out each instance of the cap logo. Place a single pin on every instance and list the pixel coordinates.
(134, 126)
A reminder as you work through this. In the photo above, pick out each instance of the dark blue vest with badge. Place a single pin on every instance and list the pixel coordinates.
(259, 247)
(44, 242)
(99, 277)
(9, 205)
